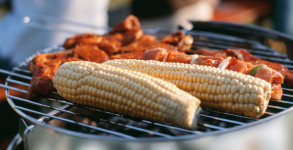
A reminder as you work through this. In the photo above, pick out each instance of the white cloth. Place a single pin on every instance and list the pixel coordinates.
(18, 40)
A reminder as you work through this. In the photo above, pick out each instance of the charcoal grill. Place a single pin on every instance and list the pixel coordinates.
(55, 123)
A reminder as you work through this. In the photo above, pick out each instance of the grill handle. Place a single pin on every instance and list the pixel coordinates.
(15, 144)
(246, 31)
(24, 131)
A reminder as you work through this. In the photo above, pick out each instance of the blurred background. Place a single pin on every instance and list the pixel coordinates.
(273, 14)
(17, 41)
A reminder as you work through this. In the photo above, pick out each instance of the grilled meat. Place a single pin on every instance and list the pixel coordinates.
(135, 50)
(126, 40)
(244, 55)
(180, 40)
(43, 66)
(123, 33)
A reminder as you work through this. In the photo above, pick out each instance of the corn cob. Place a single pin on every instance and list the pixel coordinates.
(220, 89)
(126, 92)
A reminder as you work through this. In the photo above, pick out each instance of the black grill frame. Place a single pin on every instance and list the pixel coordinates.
(198, 36)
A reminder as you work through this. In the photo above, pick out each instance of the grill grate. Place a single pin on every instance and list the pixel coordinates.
(62, 115)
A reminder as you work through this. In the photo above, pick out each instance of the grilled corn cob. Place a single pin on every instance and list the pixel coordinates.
(220, 89)
(126, 92)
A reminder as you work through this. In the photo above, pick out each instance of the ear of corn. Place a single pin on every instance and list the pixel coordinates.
(220, 89)
(126, 92)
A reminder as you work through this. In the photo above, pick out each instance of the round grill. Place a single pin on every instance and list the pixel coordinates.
(63, 116)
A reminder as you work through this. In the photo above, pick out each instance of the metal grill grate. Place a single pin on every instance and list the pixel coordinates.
(60, 114)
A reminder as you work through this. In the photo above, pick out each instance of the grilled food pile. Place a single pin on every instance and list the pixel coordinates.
(131, 73)
(126, 40)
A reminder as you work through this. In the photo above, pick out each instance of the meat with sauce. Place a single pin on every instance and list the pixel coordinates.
(43, 66)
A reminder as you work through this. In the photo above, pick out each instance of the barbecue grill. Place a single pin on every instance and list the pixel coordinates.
(55, 123)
